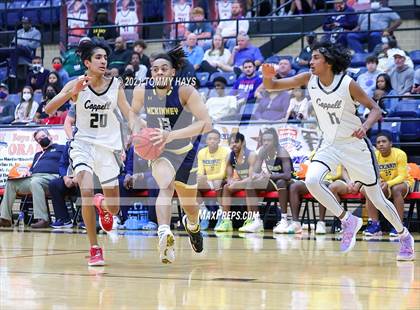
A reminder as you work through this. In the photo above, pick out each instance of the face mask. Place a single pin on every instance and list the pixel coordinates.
(57, 67)
(102, 19)
(26, 97)
(375, 5)
(50, 94)
(3, 95)
(36, 68)
(44, 142)
(129, 72)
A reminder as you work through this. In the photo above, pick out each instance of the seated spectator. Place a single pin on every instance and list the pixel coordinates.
(187, 70)
(401, 75)
(44, 168)
(298, 107)
(339, 24)
(217, 57)
(139, 47)
(284, 69)
(305, 55)
(26, 109)
(416, 85)
(60, 188)
(72, 62)
(367, 80)
(386, 56)
(246, 85)
(126, 16)
(273, 168)
(396, 183)
(221, 106)
(27, 40)
(193, 52)
(57, 65)
(230, 29)
(41, 117)
(7, 107)
(38, 75)
(239, 173)
(200, 28)
(53, 79)
(245, 51)
(383, 83)
(271, 106)
(120, 56)
(384, 24)
(106, 33)
(139, 70)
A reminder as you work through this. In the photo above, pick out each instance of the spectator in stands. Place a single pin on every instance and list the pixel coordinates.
(285, 69)
(221, 106)
(72, 62)
(44, 168)
(139, 47)
(200, 28)
(229, 29)
(396, 182)
(386, 55)
(383, 83)
(367, 80)
(38, 75)
(246, 85)
(120, 56)
(60, 188)
(217, 57)
(27, 40)
(7, 107)
(339, 24)
(126, 16)
(271, 106)
(57, 65)
(139, 71)
(298, 107)
(239, 172)
(245, 51)
(401, 75)
(416, 85)
(53, 79)
(101, 32)
(305, 55)
(41, 117)
(384, 24)
(193, 52)
(26, 109)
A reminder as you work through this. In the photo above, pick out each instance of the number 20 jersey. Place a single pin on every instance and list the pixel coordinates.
(335, 109)
(97, 117)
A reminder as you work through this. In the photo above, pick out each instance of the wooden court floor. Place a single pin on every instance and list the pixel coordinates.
(48, 270)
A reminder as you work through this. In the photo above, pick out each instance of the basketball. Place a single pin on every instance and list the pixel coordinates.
(144, 147)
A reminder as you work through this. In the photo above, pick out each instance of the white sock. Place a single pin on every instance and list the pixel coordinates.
(284, 217)
(404, 233)
(192, 226)
(163, 229)
(346, 217)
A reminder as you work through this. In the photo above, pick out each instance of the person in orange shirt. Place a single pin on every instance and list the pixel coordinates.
(396, 182)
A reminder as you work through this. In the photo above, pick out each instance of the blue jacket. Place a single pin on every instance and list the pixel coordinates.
(49, 161)
(348, 22)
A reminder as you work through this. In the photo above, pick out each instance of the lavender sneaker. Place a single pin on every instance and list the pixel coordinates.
(407, 248)
(350, 229)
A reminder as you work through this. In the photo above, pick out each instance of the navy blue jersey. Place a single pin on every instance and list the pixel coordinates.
(241, 169)
(167, 113)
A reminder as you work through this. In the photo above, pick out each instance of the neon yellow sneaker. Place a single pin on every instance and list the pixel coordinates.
(225, 225)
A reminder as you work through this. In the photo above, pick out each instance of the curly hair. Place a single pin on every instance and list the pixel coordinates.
(175, 56)
(336, 55)
(87, 48)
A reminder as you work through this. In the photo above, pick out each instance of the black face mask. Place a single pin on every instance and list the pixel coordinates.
(102, 19)
(50, 94)
(44, 142)
(129, 72)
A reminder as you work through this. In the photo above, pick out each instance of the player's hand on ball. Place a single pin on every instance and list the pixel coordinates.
(160, 137)
(268, 71)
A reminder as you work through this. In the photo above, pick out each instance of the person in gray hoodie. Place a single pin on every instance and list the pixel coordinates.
(7, 107)
(402, 76)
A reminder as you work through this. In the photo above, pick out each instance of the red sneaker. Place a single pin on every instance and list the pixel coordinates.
(96, 257)
(105, 218)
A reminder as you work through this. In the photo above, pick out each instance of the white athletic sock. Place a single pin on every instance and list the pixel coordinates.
(192, 226)
(163, 229)
(404, 233)
(284, 216)
(377, 197)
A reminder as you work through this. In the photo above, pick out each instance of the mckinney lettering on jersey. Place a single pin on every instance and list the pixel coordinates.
(162, 111)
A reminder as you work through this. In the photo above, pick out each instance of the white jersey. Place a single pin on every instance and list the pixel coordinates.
(182, 12)
(334, 108)
(128, 17)
(224, 9)
(98, 117)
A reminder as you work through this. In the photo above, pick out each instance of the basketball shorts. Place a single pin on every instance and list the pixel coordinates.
(95, 159)
(357, 156)
(185, 166)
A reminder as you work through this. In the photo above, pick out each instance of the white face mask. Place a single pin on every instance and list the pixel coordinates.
(375, 5)
(26, 97)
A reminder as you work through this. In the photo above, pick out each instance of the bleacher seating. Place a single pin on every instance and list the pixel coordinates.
(358, 60)
(229, 76)
(415, 56)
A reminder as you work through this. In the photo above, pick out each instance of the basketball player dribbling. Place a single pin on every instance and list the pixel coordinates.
(171, 107)
(97, 141)
(335, 97)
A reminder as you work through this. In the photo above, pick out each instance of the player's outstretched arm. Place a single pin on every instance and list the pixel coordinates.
(375, 114)
(272, 84)
(70, 91)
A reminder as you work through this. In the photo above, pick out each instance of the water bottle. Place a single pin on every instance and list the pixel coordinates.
(130, 223)
(21, 220)
(138, 207)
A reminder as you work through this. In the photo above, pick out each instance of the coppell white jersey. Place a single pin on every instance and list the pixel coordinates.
(224, 9)
(334, 107)
(182, 12)
(128, 17)
(98, 117)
